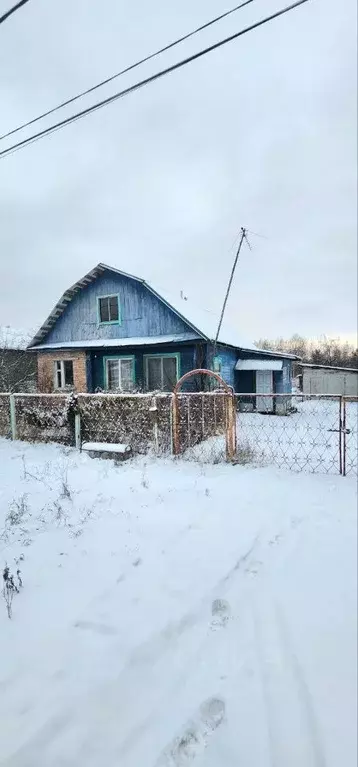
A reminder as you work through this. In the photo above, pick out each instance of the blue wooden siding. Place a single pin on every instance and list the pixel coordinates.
(228, 358)
(142, 314)
(283, 379)
(191, 357)
(245, 380)
(187, 361)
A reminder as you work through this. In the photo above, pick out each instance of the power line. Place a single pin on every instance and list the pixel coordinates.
(147, 80)
(12, 10)
(127, 69)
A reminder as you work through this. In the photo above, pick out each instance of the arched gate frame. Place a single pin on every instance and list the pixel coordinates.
(230, 411)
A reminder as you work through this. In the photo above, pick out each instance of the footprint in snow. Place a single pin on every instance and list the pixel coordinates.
(221, 612)
(196, 735)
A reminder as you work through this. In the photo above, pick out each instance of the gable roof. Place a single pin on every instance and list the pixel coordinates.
(201, 321)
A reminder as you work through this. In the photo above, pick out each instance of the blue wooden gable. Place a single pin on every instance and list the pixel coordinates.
(137, 322)
(142, 314)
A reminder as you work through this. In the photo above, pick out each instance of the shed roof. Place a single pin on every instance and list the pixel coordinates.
(202, 321)
(328, 367)
(257, 364)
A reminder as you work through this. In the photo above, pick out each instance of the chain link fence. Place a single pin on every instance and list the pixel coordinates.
(310, 434)
(5, 423)
(201, 426)
(142, 421)
(350, 435)
(304, 433)
(44, 418)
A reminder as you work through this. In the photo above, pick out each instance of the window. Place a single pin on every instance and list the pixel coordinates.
(63, 374)
(108, 310)
(161, 372)
(119, 373)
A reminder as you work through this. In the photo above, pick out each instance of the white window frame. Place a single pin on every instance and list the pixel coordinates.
(127, 358)
(59, 368)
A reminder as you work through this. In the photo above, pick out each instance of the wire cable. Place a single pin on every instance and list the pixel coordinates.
(12, 10)
(147, 80)
(127, 69)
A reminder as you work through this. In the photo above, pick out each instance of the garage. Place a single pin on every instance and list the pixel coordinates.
(325, 379)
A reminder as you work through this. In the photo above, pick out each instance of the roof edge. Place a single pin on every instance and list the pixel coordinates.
(91, 276)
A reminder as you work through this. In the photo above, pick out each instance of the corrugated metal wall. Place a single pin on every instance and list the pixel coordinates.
(321, 381)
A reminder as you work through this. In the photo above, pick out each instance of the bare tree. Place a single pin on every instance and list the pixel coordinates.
(322, 351)
(17, 365)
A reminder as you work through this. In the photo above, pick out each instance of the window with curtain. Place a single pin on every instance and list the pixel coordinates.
(161, 372)
(120, 374)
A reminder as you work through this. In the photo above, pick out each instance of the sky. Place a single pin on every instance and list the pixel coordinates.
(260, 133)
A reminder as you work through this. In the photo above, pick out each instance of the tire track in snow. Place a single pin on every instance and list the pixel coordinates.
(143, 660)
(302, 687)
(291, 722)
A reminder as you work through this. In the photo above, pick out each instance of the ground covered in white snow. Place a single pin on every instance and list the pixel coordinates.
(174, 614)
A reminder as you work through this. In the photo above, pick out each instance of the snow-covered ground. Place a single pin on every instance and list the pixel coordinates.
(175, 613)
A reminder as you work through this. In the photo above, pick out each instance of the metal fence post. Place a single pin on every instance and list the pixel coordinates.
(154, 412)
(341, 435)
(174, 424)
(78, 444)
(344, 440)
(13, 416)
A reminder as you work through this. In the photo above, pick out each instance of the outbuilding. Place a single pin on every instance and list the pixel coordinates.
(328, 379)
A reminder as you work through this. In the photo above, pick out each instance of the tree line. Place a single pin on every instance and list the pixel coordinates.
(322, 351)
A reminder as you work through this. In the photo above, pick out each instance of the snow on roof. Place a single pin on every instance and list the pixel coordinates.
(14, 338)
(202, 321)
(328, 367)
(257, 364)
(105, 343)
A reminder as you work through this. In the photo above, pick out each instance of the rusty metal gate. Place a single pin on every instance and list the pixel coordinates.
(198, 417)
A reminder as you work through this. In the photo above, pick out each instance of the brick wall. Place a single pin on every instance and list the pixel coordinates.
(45, 370)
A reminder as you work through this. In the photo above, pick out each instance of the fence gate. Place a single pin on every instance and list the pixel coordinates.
(200, 418)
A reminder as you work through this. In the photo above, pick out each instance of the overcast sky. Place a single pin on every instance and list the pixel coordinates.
(261, 133)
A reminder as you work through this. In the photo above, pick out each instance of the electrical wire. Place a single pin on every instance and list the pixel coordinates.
(127, 69)
(12, 10)
(147, 80)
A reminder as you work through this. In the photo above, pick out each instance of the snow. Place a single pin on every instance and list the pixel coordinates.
(109, 342)
(175, 613)
(203, 321)
(14, 338)
(256, 364)
(328, 367)
(108, 447)
(206, 322)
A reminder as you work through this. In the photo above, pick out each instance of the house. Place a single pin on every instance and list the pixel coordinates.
(17, 366)
(113, 331)
(328, 379)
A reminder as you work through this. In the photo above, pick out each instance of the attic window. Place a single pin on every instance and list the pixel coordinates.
(108, 310)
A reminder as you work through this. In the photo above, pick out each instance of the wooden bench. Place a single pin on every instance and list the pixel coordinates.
(115, 451)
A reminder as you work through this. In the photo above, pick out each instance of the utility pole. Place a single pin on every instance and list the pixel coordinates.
(242, 238)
